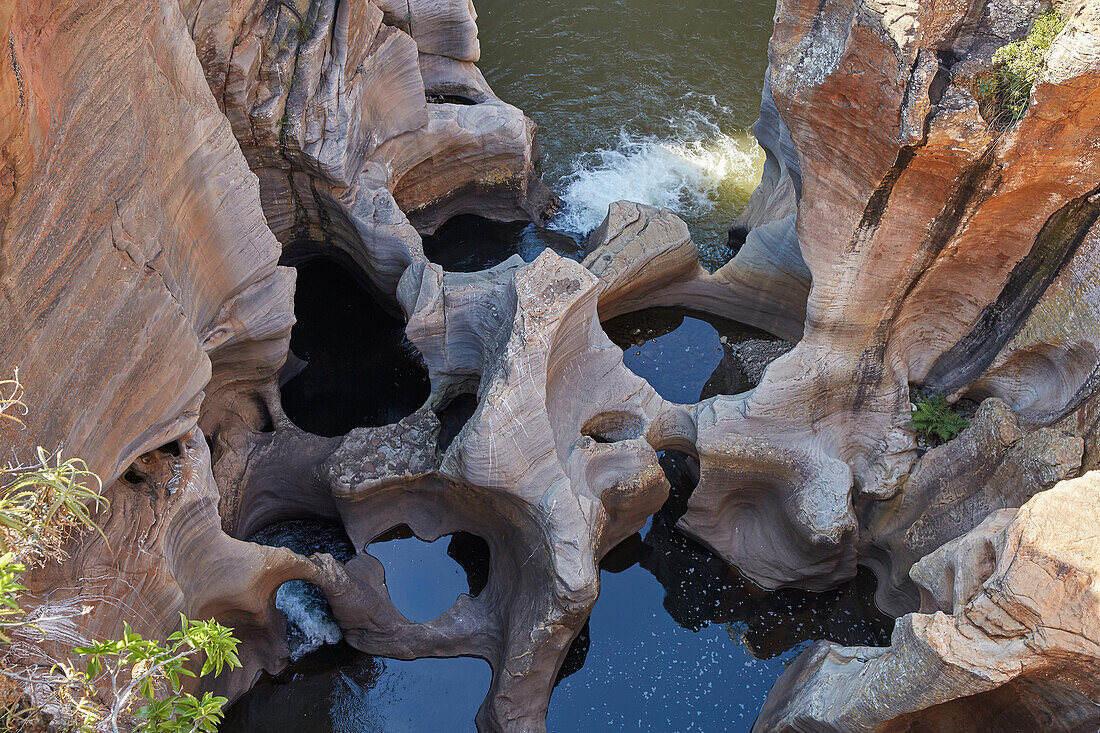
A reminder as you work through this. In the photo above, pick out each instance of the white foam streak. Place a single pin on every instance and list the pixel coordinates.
(307, 614)
(686, 175)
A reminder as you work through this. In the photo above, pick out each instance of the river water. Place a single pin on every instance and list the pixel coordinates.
(642, 100)
(636, 99)
(678, 641)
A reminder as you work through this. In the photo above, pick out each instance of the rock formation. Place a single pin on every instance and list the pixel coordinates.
(991, 466)
(161, 157)
(890, 233)
(1006, 637)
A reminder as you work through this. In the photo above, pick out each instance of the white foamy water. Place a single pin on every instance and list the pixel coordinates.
(690, 174)
(309, 622)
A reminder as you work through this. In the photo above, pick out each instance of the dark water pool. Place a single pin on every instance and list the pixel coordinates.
(332, 688)
(679, 641)
(339, 690)
(423, 578)
(470, 243)
(688, 358)
(361, 371)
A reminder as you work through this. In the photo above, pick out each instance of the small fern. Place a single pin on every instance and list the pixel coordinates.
(935, 418)
(305, 28)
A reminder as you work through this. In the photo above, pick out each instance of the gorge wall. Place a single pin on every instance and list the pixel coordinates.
(162, 157)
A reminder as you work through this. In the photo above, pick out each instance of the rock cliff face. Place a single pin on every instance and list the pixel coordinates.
(161, 157)
(924, 256)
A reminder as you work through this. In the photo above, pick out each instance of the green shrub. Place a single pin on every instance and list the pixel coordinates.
(304, 31)
(43, 505)
(935, 418)
(1017, 66)
(147, 673)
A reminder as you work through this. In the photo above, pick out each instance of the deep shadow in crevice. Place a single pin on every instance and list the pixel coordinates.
(626, 554)
(472, 553)
(453, 416)
(360, 369)
(449, 98)
(171, 448)
(736, 239)
(577, 654)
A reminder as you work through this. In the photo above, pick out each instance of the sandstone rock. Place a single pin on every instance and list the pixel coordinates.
(899, 232)
(330, 105)
(992, 465)
(142, 298)
(1006, 637)
(647, 258)
(134, 276)
(551, 482)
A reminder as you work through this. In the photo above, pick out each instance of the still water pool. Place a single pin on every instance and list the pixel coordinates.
(679, 640)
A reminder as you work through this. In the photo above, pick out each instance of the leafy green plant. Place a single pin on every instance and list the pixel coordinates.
(305, 29)
(11, 615)
(43, 505)
(935, 418)
(148, 673)
(1006, 90)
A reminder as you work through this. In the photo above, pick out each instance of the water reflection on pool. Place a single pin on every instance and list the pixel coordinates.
(678, 641)
(340, 690)
(690, 357)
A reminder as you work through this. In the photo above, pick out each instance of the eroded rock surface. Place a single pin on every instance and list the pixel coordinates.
(992, 465)
(923, 268)
(1006, 637)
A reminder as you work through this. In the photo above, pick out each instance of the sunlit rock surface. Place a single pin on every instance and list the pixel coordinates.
(939, 247)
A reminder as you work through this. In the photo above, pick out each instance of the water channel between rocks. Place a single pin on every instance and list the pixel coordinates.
(635, 100)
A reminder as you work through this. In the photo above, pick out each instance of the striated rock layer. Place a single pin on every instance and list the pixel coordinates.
(925, 261)
(898, 237)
